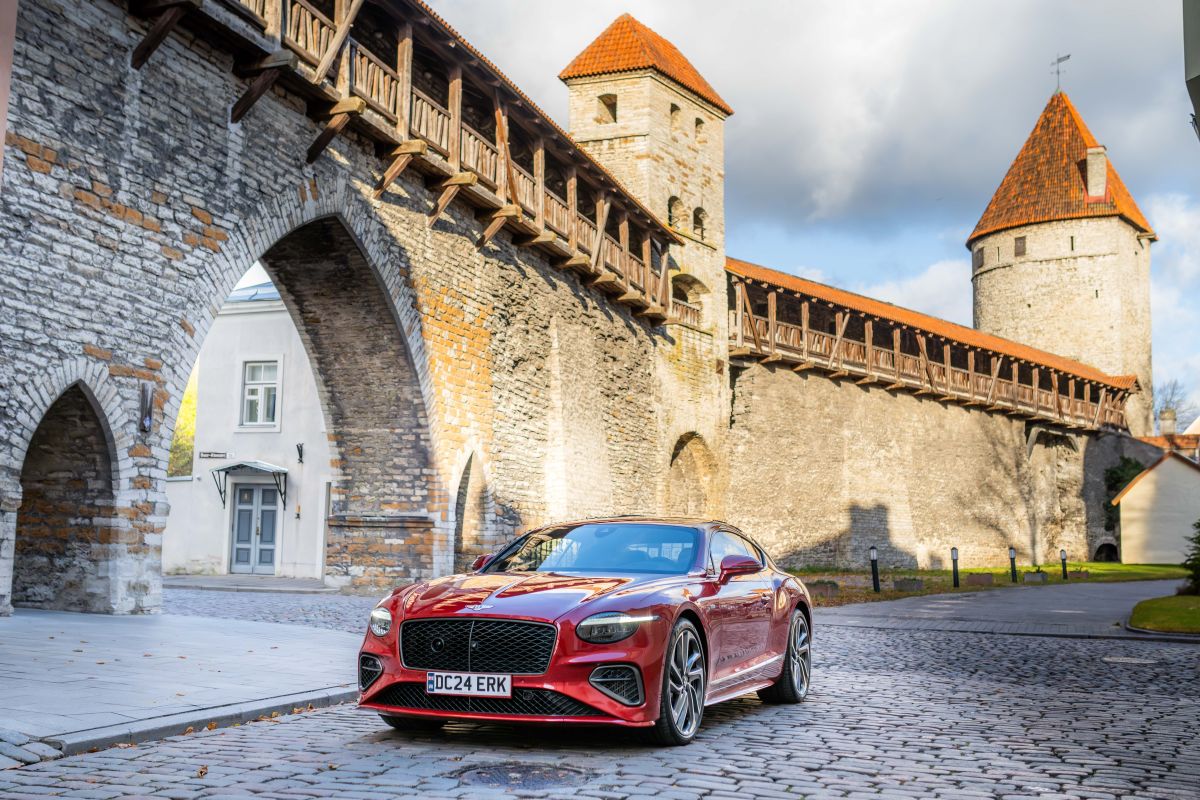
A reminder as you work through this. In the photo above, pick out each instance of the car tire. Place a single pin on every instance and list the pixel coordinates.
(684, 681)
(793, 683)
(413, 724)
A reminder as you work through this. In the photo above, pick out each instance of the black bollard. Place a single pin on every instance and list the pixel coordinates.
(875, 568)
(1012, 563)
(954, 561)
(1062, 555)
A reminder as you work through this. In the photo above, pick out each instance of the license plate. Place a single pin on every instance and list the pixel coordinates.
(470, 684)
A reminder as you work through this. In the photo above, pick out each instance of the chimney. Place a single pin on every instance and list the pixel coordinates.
(1097, 171)
(1166, 422)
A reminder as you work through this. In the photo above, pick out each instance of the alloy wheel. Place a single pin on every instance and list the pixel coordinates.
(800, 654)
(685, 678)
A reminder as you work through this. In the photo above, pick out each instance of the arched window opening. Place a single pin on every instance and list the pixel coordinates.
(699, 222)
(676, 216)
(606, 109)
(689, 479)
(700, 130)
(1107, 552)
(675, 116)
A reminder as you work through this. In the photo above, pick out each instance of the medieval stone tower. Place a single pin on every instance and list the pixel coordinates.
(641, 109)
(1061, 257)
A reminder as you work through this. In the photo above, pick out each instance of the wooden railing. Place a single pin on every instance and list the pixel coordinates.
(525, 192)
(558, 214)
(610, 253)
(636, 276)
(374, 81)
(430, 122)
(812, 348)
(585, 233)
(256, 7)
(685, 312)
(306, 30)
(479, 155)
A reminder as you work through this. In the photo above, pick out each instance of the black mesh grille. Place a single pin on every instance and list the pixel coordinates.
(479, 645)
(531, 702)
(369, 669)
(619, 681)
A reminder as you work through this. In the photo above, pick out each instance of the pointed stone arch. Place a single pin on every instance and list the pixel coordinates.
(691, 478)
(472, 514)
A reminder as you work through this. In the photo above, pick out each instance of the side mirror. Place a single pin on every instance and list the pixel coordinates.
(481, 562)
(737, 565)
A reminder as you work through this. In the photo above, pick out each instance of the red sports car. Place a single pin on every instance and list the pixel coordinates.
(636, 622)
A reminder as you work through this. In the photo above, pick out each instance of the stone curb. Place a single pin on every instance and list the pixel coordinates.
(1159, 636)
(203, 587)
(1133, 636)
(146, 730)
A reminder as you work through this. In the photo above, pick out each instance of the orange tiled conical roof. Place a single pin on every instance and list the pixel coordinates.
(628, 45)
(1047, 179)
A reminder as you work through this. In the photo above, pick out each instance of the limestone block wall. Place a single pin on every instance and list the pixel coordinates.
(1081, 289)
(821, 470)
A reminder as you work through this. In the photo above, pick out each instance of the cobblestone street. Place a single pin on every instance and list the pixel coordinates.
(893, 713)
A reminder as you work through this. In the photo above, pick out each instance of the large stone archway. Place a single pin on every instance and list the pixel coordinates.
(69, 543)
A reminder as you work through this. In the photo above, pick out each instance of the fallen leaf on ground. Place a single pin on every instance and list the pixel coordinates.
(212, 726)
(189, 730)
(200, 773)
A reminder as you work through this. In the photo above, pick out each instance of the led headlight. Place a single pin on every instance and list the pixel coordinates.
(611, 626)
(381, 621)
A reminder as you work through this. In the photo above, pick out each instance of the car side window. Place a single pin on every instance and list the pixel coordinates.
(726, 544)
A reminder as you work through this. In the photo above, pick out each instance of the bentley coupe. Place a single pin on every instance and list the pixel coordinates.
(634, 622)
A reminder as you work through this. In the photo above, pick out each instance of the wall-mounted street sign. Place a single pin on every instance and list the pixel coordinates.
(212, 454)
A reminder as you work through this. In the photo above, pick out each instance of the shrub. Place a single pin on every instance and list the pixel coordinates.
(1115, 479)
(1192, 562)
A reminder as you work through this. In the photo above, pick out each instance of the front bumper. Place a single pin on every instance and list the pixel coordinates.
(563, 694)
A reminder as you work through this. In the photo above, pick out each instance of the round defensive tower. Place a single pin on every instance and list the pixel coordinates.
(1060, 260)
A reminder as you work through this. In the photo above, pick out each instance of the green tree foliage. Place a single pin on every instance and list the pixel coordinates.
(185, 433)
(1117, 478)
(1192, 562)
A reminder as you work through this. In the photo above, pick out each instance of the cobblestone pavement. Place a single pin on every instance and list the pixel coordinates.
(336, 612)
(893, 713)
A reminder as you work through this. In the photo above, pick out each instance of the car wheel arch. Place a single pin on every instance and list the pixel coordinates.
(692, 616)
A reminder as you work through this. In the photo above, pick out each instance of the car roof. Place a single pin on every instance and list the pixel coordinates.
(692, 522)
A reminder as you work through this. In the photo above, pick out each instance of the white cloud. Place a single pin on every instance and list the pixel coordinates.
(941, 290)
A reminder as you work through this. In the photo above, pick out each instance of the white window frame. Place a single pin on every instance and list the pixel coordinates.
(273, 426)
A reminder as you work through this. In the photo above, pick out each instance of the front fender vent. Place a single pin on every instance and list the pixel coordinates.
(621, 682)
(369, 670)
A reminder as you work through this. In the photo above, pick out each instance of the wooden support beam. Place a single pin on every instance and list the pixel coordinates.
(1037, 393)
(997, 362)
(1057, 399)
(170, 12)
(971, 378)
(836, 351)
(1071, 402)
(541, 237)
(1100, 408)
(572, 208)
(664, 269)
(745, 300)
(949, 384)
(896, 357)
(804, 331)
(499, 217)
(926, 367)
(658, 295)
(578, 262)
(771, 322)
(508, 186)
(450, 188)
(401, 156)
(539, 177)
(337, 118)
(264, 72)
(739, 315)
(337, 42)
(454, 100)
(602, 205)
(404, 57)
(868, 350)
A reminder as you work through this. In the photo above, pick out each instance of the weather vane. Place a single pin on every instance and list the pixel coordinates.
(1058, 71)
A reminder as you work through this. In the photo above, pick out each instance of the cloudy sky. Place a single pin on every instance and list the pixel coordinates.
(869, 136)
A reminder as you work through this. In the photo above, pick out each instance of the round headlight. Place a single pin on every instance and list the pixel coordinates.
(611, 626)
(381, 621)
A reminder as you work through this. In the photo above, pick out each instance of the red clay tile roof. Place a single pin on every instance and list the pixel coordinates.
(1047, 179)
(1187, 442)
(626, 46)
(938, 327)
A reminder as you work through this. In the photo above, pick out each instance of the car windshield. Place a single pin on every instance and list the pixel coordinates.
(603, 547)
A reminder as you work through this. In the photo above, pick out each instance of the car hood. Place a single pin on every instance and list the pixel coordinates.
(536, 595)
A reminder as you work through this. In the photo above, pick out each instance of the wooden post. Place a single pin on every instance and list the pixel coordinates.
(1054, 389)
(602, 206)
(455, 102)
(946, 361)
(771, 323)
(539, 177)
(869, 340)
(572, 208)
(404, 57)
(1071, 401)
(971, 375)
(1037, 390)
(740, 314)
(997, 363)
(1100, 407)
(896, 352)
(664, 277)
(663, 301)
(1016, 384)
(804, 330)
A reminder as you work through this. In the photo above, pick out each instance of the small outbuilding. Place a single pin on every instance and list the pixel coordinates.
(1158, 509)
